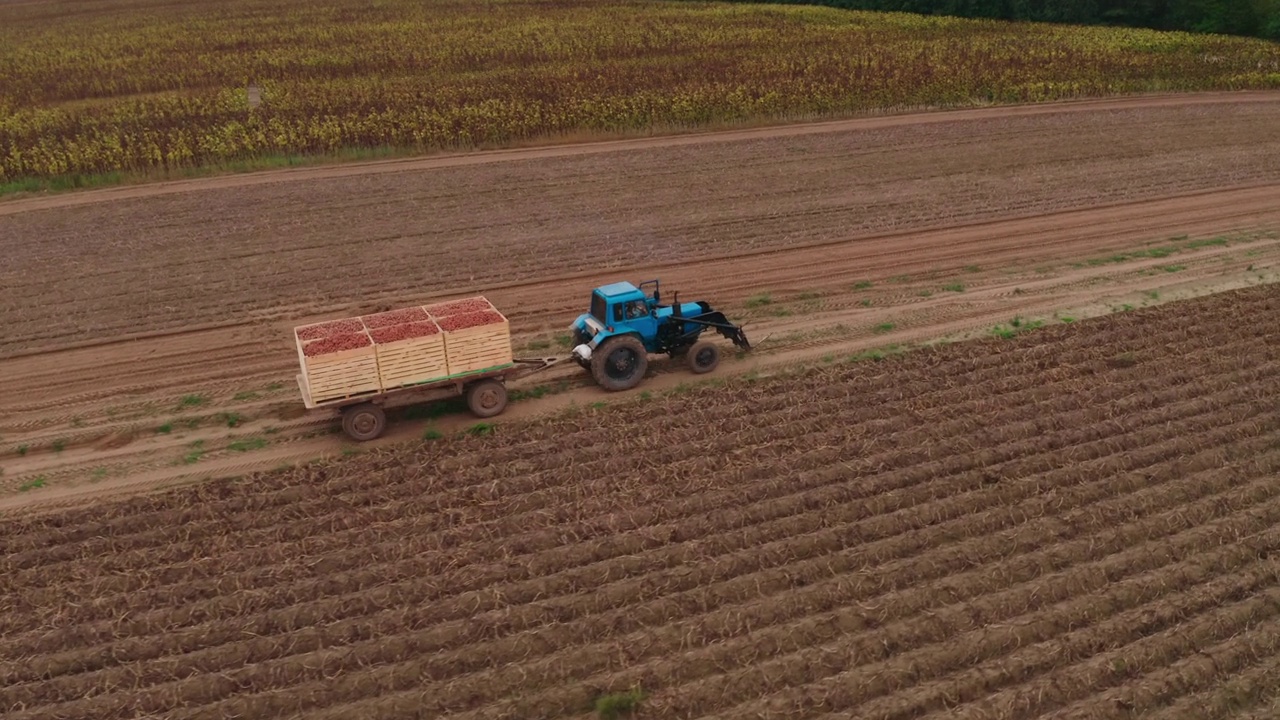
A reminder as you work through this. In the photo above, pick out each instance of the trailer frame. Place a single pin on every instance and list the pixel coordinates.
(364, 417)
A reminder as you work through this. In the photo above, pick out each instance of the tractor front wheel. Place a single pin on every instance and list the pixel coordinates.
(620, 363)
(487, 398)
(362, 422)
(704, 357)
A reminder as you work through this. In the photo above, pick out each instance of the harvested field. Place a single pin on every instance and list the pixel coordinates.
(343, 246)
(1079, 522)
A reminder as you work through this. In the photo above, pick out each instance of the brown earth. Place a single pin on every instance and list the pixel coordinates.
(167, 355)
(1080, 521)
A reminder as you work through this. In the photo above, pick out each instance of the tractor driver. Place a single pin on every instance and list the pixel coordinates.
(636, 309)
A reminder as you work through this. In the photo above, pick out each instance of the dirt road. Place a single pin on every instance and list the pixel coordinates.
(147, 329)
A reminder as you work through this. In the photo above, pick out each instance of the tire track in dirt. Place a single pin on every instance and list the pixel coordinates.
(944, 315)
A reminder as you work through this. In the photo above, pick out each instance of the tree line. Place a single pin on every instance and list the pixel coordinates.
(1254, 18)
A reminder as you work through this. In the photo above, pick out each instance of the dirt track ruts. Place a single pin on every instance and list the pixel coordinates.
(1015, 205)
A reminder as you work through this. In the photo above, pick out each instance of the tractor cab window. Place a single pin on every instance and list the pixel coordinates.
(630, 310)
(597, 308)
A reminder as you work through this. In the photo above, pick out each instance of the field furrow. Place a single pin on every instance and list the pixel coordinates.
(1254, 686)
(187, 581)
(1113, 610)
(575, 619)
(758, 662)
(475, 589)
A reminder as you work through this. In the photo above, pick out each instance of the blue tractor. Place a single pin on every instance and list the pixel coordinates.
(625, 325)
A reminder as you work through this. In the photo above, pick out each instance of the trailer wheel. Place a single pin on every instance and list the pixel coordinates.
(487, 398)
(365, 421)
(620, 363)
(704, 357)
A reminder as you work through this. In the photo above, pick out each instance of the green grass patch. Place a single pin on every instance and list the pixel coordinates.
(1209, 242)
(877, 354)
(862, 285)
(616, 705)
(954, 287)
(189, 401)
(431, 434)
(480, 428)
(193, 456)
(246, 395)
(247, 444)
(1016, 326)
(758, 301)
(32, 484)
(883, 327)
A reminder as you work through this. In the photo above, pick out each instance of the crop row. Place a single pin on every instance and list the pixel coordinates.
(479, 628)
(526, 498)
(416, 547)
(422, 541)
(100, 93)
(1140, 539)
(929, 380)
(414, 600)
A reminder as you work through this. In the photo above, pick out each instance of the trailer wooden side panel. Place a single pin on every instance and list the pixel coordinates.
(412, 362)
(341, 374)
(478, 348)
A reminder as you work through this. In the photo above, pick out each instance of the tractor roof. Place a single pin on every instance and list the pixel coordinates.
(618, 288)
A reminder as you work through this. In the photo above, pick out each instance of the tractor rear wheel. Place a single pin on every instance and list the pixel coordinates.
(362, 422)
(704, 357)
(487, 398)
(620, 363)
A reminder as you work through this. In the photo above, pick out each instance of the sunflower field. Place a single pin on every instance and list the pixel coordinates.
(91, 88)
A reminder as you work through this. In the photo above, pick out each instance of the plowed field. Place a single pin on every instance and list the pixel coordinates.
(147, 332)
(1083, 522)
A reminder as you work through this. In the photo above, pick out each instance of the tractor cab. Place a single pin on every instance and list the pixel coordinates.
(617, 309)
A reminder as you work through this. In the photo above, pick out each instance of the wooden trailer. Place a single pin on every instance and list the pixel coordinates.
(360, 365)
